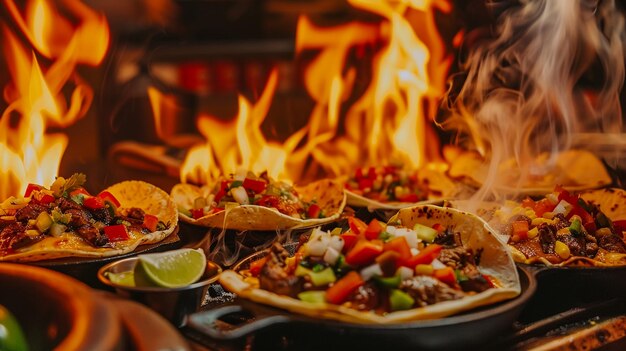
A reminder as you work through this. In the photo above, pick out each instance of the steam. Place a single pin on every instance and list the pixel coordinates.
(555, 68)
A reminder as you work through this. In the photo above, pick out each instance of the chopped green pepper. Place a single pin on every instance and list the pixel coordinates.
(301, 271)
(576, 228)
(318, 268)
(313, 296)
(399, 300)
(323, 277)
(235, 184)
(425, 233)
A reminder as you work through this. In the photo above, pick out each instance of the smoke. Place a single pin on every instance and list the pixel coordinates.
(553, 68)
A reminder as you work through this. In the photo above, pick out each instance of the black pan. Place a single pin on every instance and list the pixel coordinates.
(242, 318)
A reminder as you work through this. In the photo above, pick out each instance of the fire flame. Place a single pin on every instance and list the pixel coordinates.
(34, 96)
(387, 123)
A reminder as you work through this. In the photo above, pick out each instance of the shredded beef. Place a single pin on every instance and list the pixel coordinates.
(79, 217)
(274, 276)
(30, 211)
(427, 290)
(547, 237)
(456, 257)
(9, 233)
(612, 243)
(103, 215)
(448, 238)
(474, 281)
(65, 204)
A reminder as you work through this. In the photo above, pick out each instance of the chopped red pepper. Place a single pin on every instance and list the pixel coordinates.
(105, 195)
(620, 226)
(256, 266)
(528, 203)
(520, 230)
(349, 239)
(438, 227)
(363, 252)
(313, 211)
(93, 203)
(366, 183)
(373, 230)
(117, 232)
(30, 188)
(426, 256)
(216, 210)
(542, 206)
(342, 288)
(371, 173)
(80, 191)
(446, 275)
(565, 195)
(268, 201)
(257, 186)
(150, 222)
(356, 225)
(399, 245)
(197, 213)
(46, 199)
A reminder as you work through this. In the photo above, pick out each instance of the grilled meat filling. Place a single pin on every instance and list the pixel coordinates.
(426, 290)
(274, 276)
(30, 211)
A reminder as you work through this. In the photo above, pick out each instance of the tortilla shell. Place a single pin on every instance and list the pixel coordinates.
(495, 261)
(132, 193)
(611, 201)
(575, 170)
(327, 193)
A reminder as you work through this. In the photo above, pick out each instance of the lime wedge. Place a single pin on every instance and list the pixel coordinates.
(174, 269)
(122, 278)
(11, 335)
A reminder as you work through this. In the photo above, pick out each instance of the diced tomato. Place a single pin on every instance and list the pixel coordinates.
(150, 222)
(399, 245)
(409, 198)
(93, 203)
(107, 196)
(542, 206)
(358, 174)
(490, 280)
(197, 213)
(528, 203)
(220, 194)
(389, 170)
(356, 225)
(373, 230)
(366, 183)
(117, 232)
(30, 188)
(257, 186)
(313, 211)
(426, 256)
(371, 173)
(438, 227)
(46, 199)
(256, 266)
(349, 239)
(364, 252)
(342, 288)
(446, 275)
(565, 195)
(268, 201)
(520, 230)
(216, 210)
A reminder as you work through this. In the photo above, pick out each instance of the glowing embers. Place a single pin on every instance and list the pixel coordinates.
(385, 121)
(35, 97)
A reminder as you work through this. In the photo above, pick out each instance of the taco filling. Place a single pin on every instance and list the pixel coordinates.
(66, 218)
(378, 272)
(389, 184)
(562, 228)
(250, 189)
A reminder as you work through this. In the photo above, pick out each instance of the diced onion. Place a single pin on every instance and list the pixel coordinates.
(404, 272)
(563, 208)
(240, 195)
(318, 243)
(414, 251)
(409, 234)
(331, 256)
(438, 264)
(370, 271)
(391, 230)
(336, 242)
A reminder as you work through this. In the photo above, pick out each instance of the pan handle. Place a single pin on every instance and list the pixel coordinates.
(236, 320)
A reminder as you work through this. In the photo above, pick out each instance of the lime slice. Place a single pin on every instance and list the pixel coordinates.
(11, 335)
(174, 269)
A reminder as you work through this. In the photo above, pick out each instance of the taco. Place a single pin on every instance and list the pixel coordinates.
(428, 262)
(66, 221)
(574, 170)
(392, 187)
(566, 229)
(249, 202)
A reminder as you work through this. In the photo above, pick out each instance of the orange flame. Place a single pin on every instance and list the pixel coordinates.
(388, 123)
(28, 154)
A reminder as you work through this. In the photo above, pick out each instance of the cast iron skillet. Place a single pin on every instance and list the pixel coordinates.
(243, 318)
